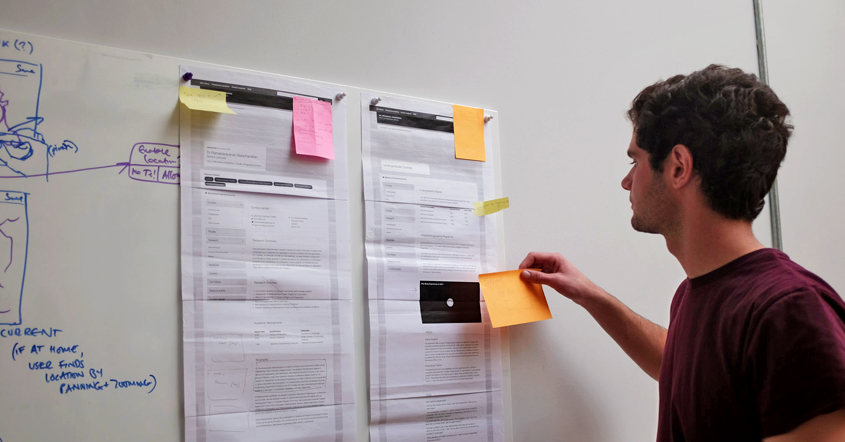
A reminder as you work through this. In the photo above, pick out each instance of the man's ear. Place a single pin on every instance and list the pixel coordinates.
(679, 166)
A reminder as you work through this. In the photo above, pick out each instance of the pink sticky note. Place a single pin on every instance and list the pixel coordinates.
(312, 127)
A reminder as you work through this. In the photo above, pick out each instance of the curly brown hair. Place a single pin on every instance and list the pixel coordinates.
(734, 126)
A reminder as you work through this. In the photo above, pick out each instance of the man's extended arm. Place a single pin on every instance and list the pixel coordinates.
(640, 338)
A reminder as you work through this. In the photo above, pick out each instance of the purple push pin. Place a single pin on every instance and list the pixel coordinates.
(188, 76)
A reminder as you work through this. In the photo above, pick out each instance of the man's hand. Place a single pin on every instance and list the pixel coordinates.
(559, 274)
(640, 338)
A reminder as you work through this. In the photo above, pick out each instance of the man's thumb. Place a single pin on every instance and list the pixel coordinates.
(534, 276)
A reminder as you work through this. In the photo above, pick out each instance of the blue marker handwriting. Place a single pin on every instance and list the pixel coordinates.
(36, 349)
(19, 45)
(13, 198)
(149, 381)
(71, 372)
(155, 163)
(23, 70)
(29, 331)
(48, 365)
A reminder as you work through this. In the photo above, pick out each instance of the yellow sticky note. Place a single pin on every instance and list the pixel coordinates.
(204, 100)
(469, 133)
(492, 206)
(511, 301)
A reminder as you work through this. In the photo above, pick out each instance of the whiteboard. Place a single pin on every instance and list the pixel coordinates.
(561, 75)
(100, 305)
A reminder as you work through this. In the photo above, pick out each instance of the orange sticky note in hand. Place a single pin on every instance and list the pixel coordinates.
(469, 133)
(511, 301)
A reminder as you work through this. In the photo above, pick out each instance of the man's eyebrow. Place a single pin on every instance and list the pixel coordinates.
(630, 153)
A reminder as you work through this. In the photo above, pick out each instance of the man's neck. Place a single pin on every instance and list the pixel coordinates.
(706, 241)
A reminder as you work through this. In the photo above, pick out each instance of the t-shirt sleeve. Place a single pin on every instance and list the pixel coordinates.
(797, 361)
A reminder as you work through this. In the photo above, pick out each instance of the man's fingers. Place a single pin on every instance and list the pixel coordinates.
(535, 259)
(528, 261)
(534, 276)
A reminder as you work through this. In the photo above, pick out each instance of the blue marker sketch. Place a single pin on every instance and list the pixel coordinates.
(154, 162)
(151, 162)
(14, 244)
(23, 149)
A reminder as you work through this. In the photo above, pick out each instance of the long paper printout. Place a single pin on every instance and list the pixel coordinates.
(267, 304)
(435, 361)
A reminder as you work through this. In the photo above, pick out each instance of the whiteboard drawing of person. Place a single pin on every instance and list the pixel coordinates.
(23, 149)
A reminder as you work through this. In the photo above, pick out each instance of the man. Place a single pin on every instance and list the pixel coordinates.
(755, 348)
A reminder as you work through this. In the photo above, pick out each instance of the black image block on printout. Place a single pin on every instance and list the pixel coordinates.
(444, 302)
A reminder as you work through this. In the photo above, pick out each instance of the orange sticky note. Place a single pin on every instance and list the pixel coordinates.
(469, 133)
(511, 301)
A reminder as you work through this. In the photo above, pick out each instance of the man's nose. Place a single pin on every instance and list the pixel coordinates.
(626, 182)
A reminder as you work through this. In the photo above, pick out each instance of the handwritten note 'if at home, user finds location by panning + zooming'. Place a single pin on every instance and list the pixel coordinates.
(312, 127)
(511, 301)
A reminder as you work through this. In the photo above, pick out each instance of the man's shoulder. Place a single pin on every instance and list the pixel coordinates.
(773, 271)
(771, 277)
(749, 286)
(755, 281)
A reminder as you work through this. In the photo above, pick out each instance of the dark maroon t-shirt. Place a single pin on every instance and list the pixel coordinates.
(755, 349)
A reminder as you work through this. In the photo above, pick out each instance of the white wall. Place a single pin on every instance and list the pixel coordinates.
(561, 75)
(805, 45)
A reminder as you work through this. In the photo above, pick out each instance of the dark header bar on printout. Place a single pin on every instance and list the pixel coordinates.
(419, 120)
(255, 96)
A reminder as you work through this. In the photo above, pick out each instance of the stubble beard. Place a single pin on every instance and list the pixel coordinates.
(655, 213)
